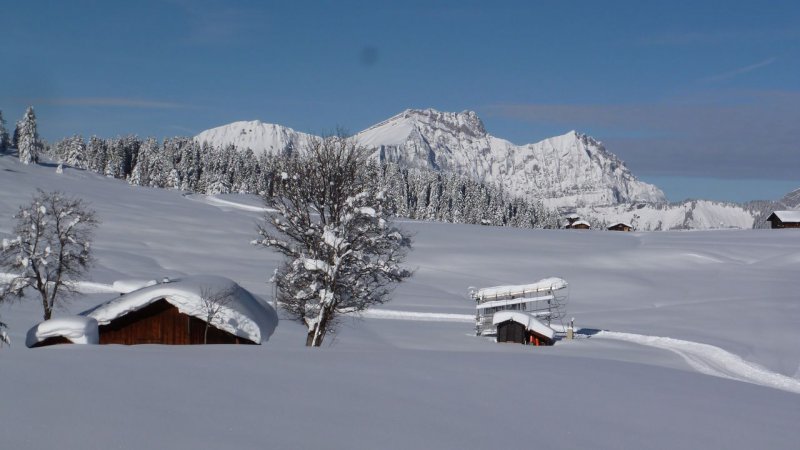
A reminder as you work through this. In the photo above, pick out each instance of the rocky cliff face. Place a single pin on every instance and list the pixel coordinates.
(568, 170)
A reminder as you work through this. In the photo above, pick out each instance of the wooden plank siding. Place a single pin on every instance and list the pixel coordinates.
(161, 323)
(510, 331)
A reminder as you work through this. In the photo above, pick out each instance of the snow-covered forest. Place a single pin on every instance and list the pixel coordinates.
(182, 163)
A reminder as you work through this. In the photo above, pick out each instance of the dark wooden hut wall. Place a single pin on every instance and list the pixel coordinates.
(161, 323)
(777, 223)
(511, 331)
(55, 340)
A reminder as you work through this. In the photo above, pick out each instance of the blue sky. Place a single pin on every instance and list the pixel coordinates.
(699, 97)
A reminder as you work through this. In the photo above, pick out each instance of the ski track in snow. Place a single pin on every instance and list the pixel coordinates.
(710, 360)
(704, 358)
(215, 201)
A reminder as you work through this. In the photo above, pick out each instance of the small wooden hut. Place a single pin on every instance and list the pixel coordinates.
(784, 219)
(620, 226)
(579, 225)
(522, 328)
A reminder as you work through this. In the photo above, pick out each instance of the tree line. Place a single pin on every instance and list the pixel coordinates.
(183, 163)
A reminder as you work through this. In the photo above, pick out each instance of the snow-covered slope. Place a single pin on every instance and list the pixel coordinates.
(568, 170)
(679, 305)
(688, 215)
(256, 135)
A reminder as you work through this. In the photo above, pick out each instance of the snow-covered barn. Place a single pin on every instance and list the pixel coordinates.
(176, 312)
(784, 219)
(545, 300)
(522, 328)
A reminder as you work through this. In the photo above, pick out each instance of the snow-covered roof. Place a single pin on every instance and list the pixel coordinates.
(244, 315)
(572, 216)
(78, 329)
(516, 301)
(580, 222)
(545, 284)
(624, 224)
(125, 286)
(530, 322)
(787, 216)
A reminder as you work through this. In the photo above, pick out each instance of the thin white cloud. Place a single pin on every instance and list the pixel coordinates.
(108, 101)
(740, 70)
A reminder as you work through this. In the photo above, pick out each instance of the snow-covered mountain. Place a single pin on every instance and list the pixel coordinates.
(688, 215)
(568, 170)
(258, 136)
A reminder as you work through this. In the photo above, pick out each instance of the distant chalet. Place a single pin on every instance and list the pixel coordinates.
(171, 313)
(784, 219)
(574, 222)
(620, 226)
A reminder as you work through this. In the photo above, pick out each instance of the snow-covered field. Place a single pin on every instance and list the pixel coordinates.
(702, 348)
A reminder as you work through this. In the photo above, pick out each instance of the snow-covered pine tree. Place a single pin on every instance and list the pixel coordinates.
(5, 143)
(27, 138)
(75, 152)
(333, 227)
(140, 174)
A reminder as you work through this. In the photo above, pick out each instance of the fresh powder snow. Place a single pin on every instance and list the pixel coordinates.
(411, 373)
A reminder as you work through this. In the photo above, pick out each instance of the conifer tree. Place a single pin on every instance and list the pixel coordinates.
(27, 138)
(4, 139)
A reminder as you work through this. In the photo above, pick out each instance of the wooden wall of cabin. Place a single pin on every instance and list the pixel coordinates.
(55, 340)
(162, 323)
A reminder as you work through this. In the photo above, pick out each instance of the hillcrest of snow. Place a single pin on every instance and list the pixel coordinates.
(256, 135)
(568, 170)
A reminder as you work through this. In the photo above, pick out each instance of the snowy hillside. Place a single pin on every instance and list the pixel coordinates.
(256, 135)
(689, 215)
(567, 170)
(700, 348)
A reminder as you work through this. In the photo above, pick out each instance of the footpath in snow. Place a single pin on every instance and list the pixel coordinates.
(710, 360)
(704, 358)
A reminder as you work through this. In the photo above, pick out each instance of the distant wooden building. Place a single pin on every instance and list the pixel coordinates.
(522, 328)
(620, 226)
(570, 220)
(784, 219)
(579, 225)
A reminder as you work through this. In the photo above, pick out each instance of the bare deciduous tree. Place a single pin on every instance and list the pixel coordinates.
(51, 250)
(212, 304)
(332, 223)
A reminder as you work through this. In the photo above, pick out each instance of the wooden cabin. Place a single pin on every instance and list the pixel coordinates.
(784, 219)
(160, 322)
(571, 219)
(521, 328)
(580, 225)
(171, 312)
(620, 226)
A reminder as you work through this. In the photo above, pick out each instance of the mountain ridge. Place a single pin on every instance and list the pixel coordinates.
(569, 170)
